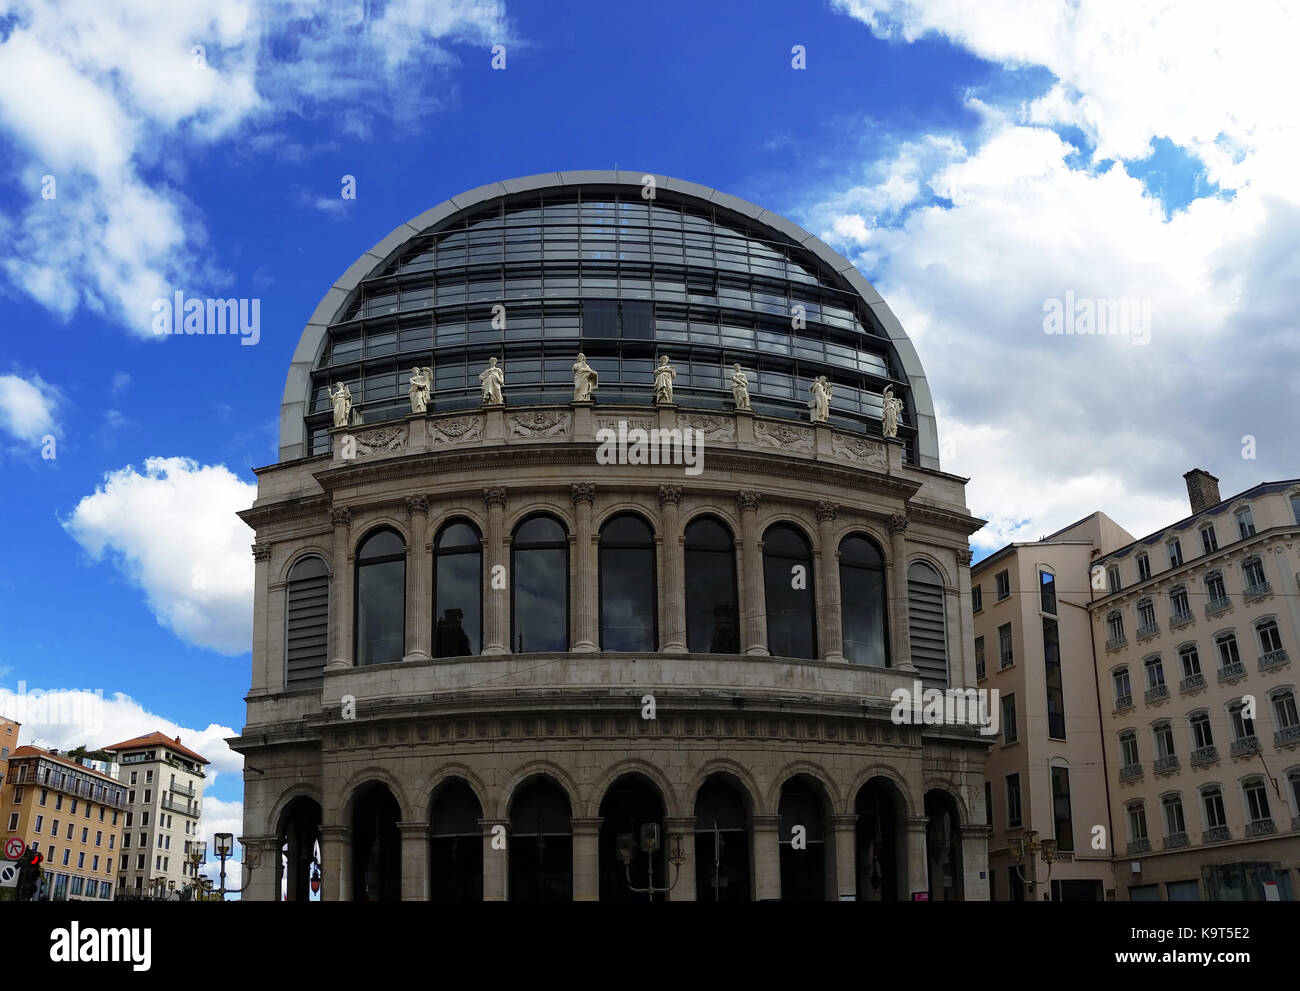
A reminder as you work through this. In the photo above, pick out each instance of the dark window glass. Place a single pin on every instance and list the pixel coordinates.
(539, 556)
(803, 875)
(541, 844)
(788, 585)
(307, 623)
(1055, 686)
(381, 598)
(627, 585)
(600, 318)
(1061, 808)
(1047, 581)
(862, 597)
(712, 617)
(457, 591)
(639, 321)
(456, 846)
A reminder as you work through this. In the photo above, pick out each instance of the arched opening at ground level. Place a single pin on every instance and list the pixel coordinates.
(376, 846)
(541, 843)
(943, 847)
(723, 847)
(881, 868)
(299, 850)
(632, 819)
(455, 845)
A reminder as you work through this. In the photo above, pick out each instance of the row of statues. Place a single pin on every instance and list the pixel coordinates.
(586, 380)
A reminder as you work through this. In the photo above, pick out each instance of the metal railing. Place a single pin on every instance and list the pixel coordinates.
(1156, 694)
(1192, 682)
(1261, 827)
(1130, 772)
(1139, 846)
(1167, 765)
(1180, 619)
(1245, 746)
(1216, 606)
(1175, 840)
(1272, 659)
(1230, 671)
(1216, 834)
(1258, 591)
(1205, 755)
(1147, 631)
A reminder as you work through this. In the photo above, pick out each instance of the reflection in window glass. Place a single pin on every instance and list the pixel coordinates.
(788, 586)
(381, 599)
(457, 591)
(627, 585)
(539, 555)
(862, 597)
(712, 617)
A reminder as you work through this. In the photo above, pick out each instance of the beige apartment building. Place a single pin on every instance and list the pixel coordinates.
(1196, 628)
(1044, 775)
(163, 782)
(72, 813)
(8, 743)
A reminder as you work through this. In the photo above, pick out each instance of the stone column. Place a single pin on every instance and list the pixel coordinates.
(336, 863)
(341, 590)
(268, 662)
(918, 857)
(684, 889)
(830, 626)
(901, 648)
(257, 875)
(767, 858)
(753, 608)
(974, 861)
(415, 861)
(967, 642)
(586, 859)
(846, 860)
(419, 574)
(496, 862)
(674, 570)
(295, 879)
(496, 601)
(586, 609)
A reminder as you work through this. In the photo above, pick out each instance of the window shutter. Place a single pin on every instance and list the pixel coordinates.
(926, 624)
(307, 628)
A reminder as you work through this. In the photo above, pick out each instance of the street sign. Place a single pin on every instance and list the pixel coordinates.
(14, 847)
(9, 875)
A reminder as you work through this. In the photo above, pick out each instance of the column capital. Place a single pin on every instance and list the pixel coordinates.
(897, 523)
(827, 512)
(975, 829)
(965, 556)
(585, 826)
(748, 499)
(494, 496)
(418, 828)
(771, 823)
(679, 824)
(670, 495)
(844, 821)
(917, 824)
(341, 516)
(261, 552)
(582, 492)
(487, 824)
(417, 504)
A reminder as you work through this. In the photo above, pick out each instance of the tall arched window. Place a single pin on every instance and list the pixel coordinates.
(788, 590)
(862, 598)
(539, 594)
(627, 585)
(381, 598)
(457, 590)
(712, 617)
(306, 632)
(925, 617)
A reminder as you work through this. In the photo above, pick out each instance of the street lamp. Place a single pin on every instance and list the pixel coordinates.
(223, 845)
(627, 847)
(1028, 847)
(197, 857)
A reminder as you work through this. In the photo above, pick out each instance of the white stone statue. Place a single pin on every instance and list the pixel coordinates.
(890, 408)
(740, 388)
(421, 389)
(492, 379)
(341, 400)
(585, 380)
(819, 406)
(664, 375)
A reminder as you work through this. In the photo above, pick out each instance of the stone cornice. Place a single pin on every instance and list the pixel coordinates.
(290, 510)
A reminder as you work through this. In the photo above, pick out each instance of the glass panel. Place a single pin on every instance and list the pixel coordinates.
(458, 590)
(627, 586)
(788, 583)
(712, 617)
(862, 591)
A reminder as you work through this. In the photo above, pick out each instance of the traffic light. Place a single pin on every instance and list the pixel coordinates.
(29, 874)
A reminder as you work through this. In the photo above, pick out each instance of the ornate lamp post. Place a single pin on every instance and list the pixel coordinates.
(627, 847)
(223, 845)
(1028, 847)
(197, 857)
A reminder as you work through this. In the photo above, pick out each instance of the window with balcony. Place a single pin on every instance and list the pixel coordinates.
(1252, 573)
(1202, 735)
(1175, 549)
(1190, 660)
(1256, 799)
(1147, 625)
(1270, 640)
(1245, 522)
(1144, 567)
(1138, 841)
(1178, 604)
(1216, 597)
(1243, 727)
(1175, 825)
(1155, 669)
(1163, 732)
(1115, 629)
(1229, 654)
(1128, 745)
(1123, 690)
(1212, 798)
(1284, 712)
(1112, 578)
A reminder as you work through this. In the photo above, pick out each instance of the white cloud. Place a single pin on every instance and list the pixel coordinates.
(121, 382)
(29, 408)
(103, 97)
(172, 530)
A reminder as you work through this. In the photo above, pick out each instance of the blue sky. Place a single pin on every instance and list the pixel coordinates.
(973, 163)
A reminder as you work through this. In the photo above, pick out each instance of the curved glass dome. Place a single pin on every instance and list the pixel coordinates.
(533, 270)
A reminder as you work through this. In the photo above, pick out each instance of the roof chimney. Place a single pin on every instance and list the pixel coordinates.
(1202, 490)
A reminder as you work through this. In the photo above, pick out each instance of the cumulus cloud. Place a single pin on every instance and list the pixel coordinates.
(1009, 217)
(95, 125)
(171, 529)
(29, 408)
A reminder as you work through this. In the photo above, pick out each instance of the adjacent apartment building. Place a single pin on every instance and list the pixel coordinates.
(72, 813)
(164, 800)
(8, 743)
(1197, 627)
(1044, 775)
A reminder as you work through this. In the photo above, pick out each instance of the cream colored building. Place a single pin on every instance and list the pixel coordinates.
(164, 807)
(1045, 773)
(485, 662)
(1195, 625)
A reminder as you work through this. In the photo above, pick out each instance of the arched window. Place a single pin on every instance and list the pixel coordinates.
(306, 631)
(457, 591)
(788, 588)
(862, 598)
(539, 594)
(628, 607)
(381, 598)
(926, 626)
(712, 616)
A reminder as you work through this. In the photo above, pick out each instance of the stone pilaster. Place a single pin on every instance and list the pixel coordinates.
(496, 862)
(258, 874)
(918, 857)
(415, 861)
(684, 889)
(341, 590)
(586, 859)
(902, 634)
(268, 662)
(674, 571)
(767, 858)
(586, 609)
(846, 873)
(419, 573)
(753, 609)
(975, 861)
(496, 601)
(829, 610)
(336, 863)
(966, 626)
